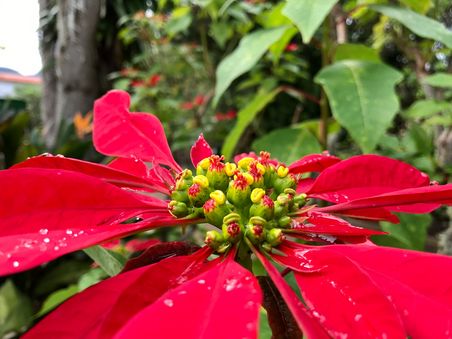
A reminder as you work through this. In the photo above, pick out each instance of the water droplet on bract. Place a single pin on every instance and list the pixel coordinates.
(16, 264)
(46, 240)
(182, 292)
(319, 316)
(358, 317)
(249, 305)
(154, 132)
(168, 302)
(60, 155)
(405, 312)
(250, 326)
(68, 232)
(56, 248)
(231, 284)
(43, 231)
(201, 281)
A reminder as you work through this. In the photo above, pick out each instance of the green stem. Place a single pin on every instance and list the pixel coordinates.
(244, 256)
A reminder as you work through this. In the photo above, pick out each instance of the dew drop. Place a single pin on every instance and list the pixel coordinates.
(16, 264)
(43, 231)
(230, 284)
(182, 292)
(68, 232)
(168, 302)
(56, 248)
(201, 281)
(358, 317)
(46, 240)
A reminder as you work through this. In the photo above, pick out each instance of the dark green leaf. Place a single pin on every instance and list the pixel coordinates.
(15, 309)
(362, 98)
(251, 48)
(56, 298)
(308, 15)
(427, 108)
(439, 80)
(288, 144)
(411, 233)
(245, 117)
(112, 263)
(356, 52)
(417, 23)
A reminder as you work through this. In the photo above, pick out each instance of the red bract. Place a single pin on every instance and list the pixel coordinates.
(351, 288)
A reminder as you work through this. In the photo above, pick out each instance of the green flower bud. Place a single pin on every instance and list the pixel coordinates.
(274, 236)
(239, 190)
(284, 221)
(215, 209)
(264, 208)
(231, 231)
(178, 209)
(256, 233)
(214, 239)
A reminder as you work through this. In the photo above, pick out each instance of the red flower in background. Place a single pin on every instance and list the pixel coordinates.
(292, 47)
(50, 206)
(229, 115)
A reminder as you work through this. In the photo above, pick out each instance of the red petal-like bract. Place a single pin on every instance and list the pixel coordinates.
(118, 132)
(435, 195)
(313, 163)
(46, 213)
(113, 174)
(306, 322)
(220, 303)
(345, 300)
(101, 310)
(364, 176)
(415, 283)
(200, 150)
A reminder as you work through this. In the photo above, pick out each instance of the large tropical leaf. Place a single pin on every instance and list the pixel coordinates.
(362, 98)
(245, 117)
(288, 144)
(419, 24)
(307, 15)
(251, 48)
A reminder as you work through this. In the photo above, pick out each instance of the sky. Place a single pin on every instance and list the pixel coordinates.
(19, 46)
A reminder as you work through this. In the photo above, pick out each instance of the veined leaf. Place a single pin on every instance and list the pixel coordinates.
(362, 98)
(251, 48)
(307, 15)
(245, 117)
(439, 80)
(356, 52)
(288, 144)
(411, 232)
(15, 309)
(427, 108)
(111, 262)
(417, 23)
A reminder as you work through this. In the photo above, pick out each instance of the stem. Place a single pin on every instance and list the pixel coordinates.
(244, 256)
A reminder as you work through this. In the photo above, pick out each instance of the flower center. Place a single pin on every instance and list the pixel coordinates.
(252, 198)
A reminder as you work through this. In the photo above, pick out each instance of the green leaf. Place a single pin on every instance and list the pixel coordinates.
(439, 80)
(356, 52)
(90, 278)
(362, 98)
(265, 331)
(427, 108)
(245, 116)
(411, 233)
(417, 23)
(420, 6)
(111, 262)
(288, 144)
(308, 15)
(179, 21)
(251, 48)
(56, 298)
(15, 309)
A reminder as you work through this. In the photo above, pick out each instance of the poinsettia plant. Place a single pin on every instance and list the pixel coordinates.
(258, 209)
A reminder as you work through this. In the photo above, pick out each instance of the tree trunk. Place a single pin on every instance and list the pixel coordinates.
(72, 84)
(49, 79)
